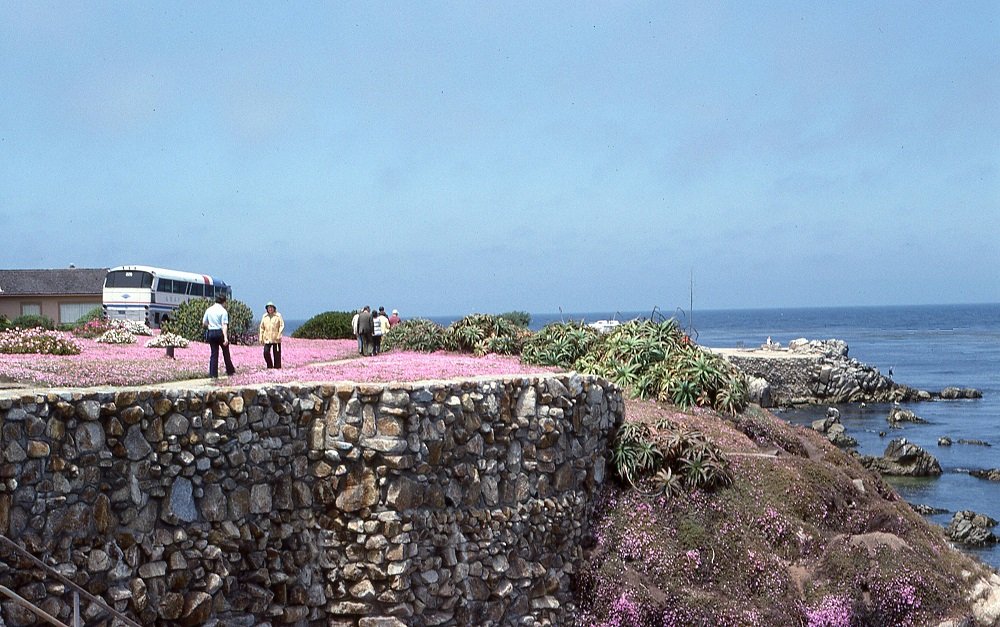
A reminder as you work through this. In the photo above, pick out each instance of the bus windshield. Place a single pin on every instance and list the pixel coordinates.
(129, 278)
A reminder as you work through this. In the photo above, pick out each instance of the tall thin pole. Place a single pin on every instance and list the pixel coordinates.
(691, 306)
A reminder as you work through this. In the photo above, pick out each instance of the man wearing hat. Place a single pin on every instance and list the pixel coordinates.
(271, 326)
(394, 319)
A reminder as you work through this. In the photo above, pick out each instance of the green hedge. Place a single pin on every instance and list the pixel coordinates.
(330, 325)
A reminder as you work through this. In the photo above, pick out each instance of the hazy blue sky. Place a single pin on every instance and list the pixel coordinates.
(448, 158)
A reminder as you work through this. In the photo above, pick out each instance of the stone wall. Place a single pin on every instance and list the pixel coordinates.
(441, 503)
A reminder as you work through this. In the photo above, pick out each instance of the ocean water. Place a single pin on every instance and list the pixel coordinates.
(927, 347)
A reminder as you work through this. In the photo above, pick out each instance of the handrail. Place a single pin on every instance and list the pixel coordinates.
(37, 611)
(94, 599)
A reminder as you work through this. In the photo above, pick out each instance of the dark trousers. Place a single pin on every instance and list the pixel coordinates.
(214, 337)
(275, 351)
(376, 344)
(367, 343)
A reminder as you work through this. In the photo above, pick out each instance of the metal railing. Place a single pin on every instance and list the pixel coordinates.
(77, 592)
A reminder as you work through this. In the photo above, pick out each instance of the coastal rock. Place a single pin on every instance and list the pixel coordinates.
(927, 510)
(971, 529)
(944, 441)
(974, 442)
(899, 414)
(953, 393)
(990, 474)
(834, 431)
(818, 371)
(759, 391)
(905, 459)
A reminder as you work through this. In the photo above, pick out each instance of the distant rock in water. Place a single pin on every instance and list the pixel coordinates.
(974, 442)
(834, 431)
(904, 459)
(971, 529)
(990, 474)
(898, 414)
(944, 441)
(927, 510)
(953, 393)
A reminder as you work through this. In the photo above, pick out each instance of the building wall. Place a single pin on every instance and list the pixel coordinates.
(444, 503)
(11, 306)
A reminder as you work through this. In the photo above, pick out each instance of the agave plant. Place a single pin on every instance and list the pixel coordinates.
(684, 393)
(668, 483)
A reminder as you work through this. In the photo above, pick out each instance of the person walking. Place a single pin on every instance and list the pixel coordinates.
(354, 327)
(366, 328)
(381, 327)
(216, 321)
(394, 319)
(271, 326)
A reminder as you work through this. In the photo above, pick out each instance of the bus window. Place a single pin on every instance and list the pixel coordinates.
(180, 287)
(197, 289)
(129, 278)
(165, 285)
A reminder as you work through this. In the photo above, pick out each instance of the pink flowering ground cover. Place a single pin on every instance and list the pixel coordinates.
(302, 360)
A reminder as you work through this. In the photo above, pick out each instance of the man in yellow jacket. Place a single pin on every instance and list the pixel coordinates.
(271, 326)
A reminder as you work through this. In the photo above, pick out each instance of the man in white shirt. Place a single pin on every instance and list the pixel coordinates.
(216, 321)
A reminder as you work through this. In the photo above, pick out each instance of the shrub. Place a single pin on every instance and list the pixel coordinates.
(657, 360)
(166, 340)
(667, 458)
(241, 327)
(329, 325)
(93, 328)
(117, 335)
(33, 322)
(186, 321)
(97, 313)
(482, 334)
(417, 334)
(4, 323)
(36, 340)
(560, 344)
(518, 318)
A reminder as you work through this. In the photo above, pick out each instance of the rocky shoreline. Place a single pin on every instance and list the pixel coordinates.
(821, 372)
(812, 372)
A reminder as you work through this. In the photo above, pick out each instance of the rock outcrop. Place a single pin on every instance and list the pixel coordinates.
(818, 371)
(904, 459)
(990, 474)
(972, 529)
(834, 431)
(953, 393)
(899, 414)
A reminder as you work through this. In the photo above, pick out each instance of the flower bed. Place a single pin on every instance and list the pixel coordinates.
(302, 360)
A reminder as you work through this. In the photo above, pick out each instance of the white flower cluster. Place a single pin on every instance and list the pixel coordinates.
(134, 327)
(116, 336)
(165, 340)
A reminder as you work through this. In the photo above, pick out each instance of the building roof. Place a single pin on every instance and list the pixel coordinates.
(62, 281)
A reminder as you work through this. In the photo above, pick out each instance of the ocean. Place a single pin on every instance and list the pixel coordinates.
(927, 347)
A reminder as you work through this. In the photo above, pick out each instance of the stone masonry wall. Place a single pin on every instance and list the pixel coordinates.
(440, 503)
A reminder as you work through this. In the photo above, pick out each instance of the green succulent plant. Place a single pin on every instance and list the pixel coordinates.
(417, 334)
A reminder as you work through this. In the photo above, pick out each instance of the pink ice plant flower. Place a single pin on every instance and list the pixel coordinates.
(302, 361)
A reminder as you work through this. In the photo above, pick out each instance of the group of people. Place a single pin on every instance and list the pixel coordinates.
(216, 323)
(369, 327)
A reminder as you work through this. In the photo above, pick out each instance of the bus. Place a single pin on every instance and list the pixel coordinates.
(149, 294)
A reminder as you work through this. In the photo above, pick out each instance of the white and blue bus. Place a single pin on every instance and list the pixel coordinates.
(148, 294)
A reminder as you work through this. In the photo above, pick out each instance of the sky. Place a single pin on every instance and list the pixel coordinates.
(446, 158)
